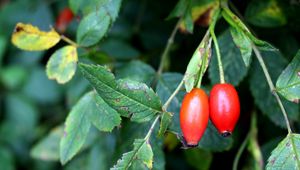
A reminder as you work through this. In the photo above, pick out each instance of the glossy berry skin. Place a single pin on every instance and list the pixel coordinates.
(224, 105)
(194, 115)
(64, 18)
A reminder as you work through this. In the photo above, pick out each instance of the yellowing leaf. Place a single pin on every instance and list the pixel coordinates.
(62, 64)
(28, 37)
(267, 13)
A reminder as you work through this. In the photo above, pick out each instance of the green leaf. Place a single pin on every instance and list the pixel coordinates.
(165, 121)
(194, 156)
(268, 13)
(80, 138)
(28, 37)
(191, 11)
(62, 64)
(188, 20)
(267, 147)
(198, 64)
(48, 148)
(103, 117)
(128, 97)
(213, 141)
(92, 28)
(137, 71)
(263, 45)
(180, 9)
(288, 83)
(235, 22)
(131, 131)
(6, 159)
(88, 6)
(243, 43)
(76, 129)
(124, 50)
(112, 8)
(184, 9)
(233, 64)
(166, 85)
(141, 151)
(261, 91)
(286, 154)
(99, 16)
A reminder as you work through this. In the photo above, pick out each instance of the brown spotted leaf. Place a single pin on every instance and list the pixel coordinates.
(127, 97)
(198, 64)
(286, 154)
(243, 43)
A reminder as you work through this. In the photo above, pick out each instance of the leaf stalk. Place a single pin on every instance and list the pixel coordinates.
(68, 40)
(213, 35)
(152, 128)
(166, 105)
(271, 85)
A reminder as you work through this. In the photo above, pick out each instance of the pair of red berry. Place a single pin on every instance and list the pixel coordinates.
(222, 107)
